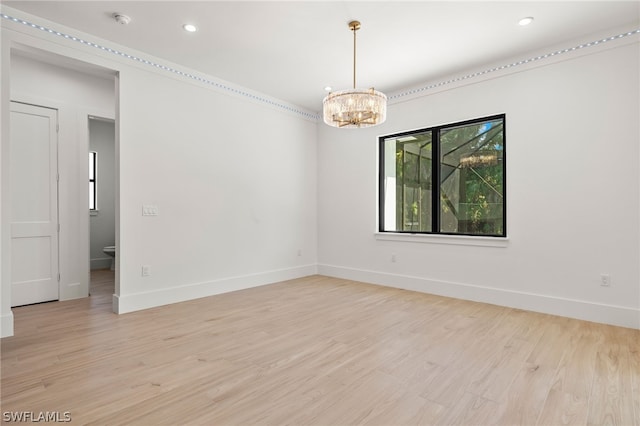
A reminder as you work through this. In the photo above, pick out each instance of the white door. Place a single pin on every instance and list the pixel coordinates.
(34, 204)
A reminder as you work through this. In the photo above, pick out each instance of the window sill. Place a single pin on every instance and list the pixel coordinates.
(463, 240)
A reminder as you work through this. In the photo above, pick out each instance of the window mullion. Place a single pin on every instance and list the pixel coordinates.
(435, 181)
(381, 185)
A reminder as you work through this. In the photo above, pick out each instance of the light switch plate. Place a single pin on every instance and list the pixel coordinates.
(149, 210)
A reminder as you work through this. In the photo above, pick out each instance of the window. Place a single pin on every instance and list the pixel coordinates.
(93, 165)
(447, 179)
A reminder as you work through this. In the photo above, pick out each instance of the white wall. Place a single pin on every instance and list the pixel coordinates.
(572, 132)
(232, 172)
(235, 186)
(75, 95)
(102, 222)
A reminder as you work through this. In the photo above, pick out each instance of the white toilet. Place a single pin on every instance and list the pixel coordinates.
(111, 251)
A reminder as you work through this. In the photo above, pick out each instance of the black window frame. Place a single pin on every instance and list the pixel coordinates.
(435, 169)
(93, 181)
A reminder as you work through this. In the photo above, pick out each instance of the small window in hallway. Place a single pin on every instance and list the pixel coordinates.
(93, 166)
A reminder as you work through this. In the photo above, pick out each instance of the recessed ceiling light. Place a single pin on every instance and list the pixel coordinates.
(327, 88)
(525, 21)
(190, 28)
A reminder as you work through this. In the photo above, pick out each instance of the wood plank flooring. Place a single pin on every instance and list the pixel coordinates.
(317, 351)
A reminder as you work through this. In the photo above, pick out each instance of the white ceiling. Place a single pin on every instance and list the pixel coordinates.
(291, 50)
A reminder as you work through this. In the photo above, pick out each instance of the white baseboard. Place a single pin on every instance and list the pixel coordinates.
(589, 311)
(100, 263)
(6, 325)
(138, 301)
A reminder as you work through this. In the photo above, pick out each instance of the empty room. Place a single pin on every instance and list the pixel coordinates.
(320, 212)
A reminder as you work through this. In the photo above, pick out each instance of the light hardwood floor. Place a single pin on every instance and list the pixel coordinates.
(318, 351)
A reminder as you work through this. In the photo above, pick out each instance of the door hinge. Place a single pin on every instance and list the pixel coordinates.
(57, 128)
(58, 227)
(58, 276)
(58, 177)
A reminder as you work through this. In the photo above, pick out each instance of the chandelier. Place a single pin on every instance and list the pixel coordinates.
(355, 107)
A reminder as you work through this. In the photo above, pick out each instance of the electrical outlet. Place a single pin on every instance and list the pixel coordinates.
(605, 280)
(393, 258)
(146, 270)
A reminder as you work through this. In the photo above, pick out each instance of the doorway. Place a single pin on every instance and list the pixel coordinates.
(102, 226)
(72, 90)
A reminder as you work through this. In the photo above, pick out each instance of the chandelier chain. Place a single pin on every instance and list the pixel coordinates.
(354, 28)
